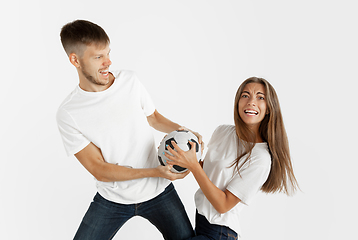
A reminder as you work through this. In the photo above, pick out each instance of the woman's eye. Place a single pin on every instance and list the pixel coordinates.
(244, 96)
(261, 98)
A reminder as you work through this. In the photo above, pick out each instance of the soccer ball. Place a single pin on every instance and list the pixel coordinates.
(181, 138)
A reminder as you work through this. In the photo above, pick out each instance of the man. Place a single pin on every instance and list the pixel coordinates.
(105, 122)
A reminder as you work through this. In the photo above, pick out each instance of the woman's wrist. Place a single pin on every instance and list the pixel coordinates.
(195, 168)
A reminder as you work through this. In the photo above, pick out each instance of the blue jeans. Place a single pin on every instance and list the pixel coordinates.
(166, 212)
(205, 230)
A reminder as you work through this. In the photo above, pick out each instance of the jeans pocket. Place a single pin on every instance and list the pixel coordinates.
(232, 236)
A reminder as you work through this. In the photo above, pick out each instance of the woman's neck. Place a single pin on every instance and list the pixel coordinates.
(255, 130)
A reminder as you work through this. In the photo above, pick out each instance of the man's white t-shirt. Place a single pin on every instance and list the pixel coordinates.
(222, 151)
(115, 120)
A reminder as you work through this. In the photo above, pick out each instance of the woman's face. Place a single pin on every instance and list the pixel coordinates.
(252, 105)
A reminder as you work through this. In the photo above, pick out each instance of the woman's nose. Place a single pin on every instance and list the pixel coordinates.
(252, 102)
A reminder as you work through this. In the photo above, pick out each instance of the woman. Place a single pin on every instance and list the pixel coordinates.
(242, 159)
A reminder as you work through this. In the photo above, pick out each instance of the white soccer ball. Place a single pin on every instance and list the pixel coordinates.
(181, 138)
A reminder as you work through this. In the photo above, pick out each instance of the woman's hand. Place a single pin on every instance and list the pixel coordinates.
(181, 158)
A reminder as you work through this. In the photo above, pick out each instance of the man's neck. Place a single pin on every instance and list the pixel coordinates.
(88, 86)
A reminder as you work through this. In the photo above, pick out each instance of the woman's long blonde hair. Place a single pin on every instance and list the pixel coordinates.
(272, 131)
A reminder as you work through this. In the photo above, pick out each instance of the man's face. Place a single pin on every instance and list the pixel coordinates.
(94, 64)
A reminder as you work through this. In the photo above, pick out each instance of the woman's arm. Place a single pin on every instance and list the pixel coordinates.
(222, 201)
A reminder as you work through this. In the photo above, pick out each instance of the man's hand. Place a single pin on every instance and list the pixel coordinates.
(164, 172)
(200, 138)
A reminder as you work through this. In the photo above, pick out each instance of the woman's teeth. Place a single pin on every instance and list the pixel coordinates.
(251, 112)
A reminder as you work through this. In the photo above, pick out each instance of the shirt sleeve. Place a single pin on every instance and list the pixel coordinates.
(73, 140)
(216, 135)
(250, 180)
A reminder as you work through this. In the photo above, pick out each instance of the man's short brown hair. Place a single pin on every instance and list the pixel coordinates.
(80, 33)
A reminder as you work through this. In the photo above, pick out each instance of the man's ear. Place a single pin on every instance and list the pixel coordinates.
(74, 59)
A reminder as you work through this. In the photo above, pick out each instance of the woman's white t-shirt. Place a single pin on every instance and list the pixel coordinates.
(222, 151)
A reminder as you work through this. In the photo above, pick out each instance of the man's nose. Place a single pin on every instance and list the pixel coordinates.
(107, 62)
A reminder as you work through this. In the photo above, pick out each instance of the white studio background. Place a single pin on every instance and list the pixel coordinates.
(191, 56)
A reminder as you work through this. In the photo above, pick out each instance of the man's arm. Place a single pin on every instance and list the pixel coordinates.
(92, 159)
(162, 124)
